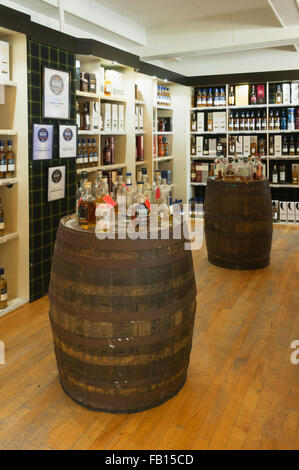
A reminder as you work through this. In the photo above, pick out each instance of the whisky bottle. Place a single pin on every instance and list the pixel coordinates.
(160, 146)
(292, 146)
(193, 145)
(274, 175)
(216, 98)
(206, 150)
(258, 122)
(262, 146)
(282, 174)
(231, 96)
(119, 192)
(285, 147)
(85, 118)
(271, 120)
(80, 191)
(271, 145)
(264, 121)
(237, 122)
(11, 163)
(198, 99)
(86, 208)
(204, 98)
(106, 153)
(147, 189)
(3, 161)
(166, 147)
(253, 95)
(259, 169)
(78, 116)
(95, 152)
(222, 99)
(210, 98)
(141, 209)
(278, 99)
(252, 121)
(83, 83)
(232, 145)
(3, 290)
(247, 121)
(85, 154)
(2, 223)
(112, 149)
(295, 178)
(231, 121)
(90, 153)
(277, 120)
(242, 121)
(193, 122)
(283, 121)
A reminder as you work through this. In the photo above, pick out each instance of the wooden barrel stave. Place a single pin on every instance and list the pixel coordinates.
(238, 224)
(122, 337)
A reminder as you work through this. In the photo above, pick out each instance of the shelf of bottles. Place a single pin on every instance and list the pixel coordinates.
(261, 120)
(163, 130)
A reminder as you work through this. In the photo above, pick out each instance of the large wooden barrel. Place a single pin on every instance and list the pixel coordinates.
(238, 223)
(122, 315)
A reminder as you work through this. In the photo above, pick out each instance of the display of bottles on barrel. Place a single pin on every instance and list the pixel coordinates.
(122, 195)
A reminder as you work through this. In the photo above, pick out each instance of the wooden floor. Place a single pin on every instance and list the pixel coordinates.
(242, 391)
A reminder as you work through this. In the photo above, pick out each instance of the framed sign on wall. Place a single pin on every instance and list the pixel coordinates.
(56, 93)
(56, 183)
(67, 141)
(42, 141)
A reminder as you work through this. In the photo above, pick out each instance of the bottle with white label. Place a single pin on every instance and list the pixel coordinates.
(11, 161)
(3, 161)
(3, 290)
(2, 223)
(274, 175)
(282, 174)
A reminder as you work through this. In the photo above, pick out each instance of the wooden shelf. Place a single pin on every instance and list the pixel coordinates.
(13, 304)
(8, 237)
(280, 131)
(208, 132)
(170, 108)
(113, 133)
(283, 105)
(93, 132)
(8, 132)
(198, 184)
(140, 132)
(285, 157)
(287, 185)
(209, 108)
(140, 163)
(87, 170)
(246, 132)
(112, 167)
(140, 102)
(163, 133)
(162, 159)
(119, 99)
(85, 94)
(250, 106)
(8, 83)
(8, 181)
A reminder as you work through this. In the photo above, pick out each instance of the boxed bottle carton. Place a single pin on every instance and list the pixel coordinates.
(140, 118)
(199, 146)
(286, 93)
(121, 118)
(114, 118)
(291, 212)
(200, 122)
(4, 61)
(277, 145)
(222, 119)
(283, 211)
(242, 94)
(106, 116)
(297, 212)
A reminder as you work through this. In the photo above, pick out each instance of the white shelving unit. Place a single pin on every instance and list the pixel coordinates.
(226, 134)
(14, 192)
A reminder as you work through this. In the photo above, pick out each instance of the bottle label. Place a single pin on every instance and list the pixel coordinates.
(108, 200)
(82, 214)
(274, 179)
(282, 176)
(11, 167)
(2, 225)
(3, 166)
(3, 294)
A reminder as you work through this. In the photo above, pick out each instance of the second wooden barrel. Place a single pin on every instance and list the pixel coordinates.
(238, 223)
(122, 315)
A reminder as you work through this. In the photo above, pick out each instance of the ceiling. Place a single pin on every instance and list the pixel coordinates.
(156, 13)
(191, 37)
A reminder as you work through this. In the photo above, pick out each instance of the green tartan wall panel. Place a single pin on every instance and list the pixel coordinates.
(44, 216)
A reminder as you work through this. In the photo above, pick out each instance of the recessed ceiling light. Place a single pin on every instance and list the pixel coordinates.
(114, 62)
(165, 80)
(154, 76)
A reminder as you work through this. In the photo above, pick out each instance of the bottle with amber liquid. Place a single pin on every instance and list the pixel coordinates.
(3, 290)
(2, 223)
(231, 96)
(86, 208)
(90, 153)
(3, 161)
(160, 146)
(85, 118)
(95, 152)
(11, 161)
(107, 153)
(253, 95)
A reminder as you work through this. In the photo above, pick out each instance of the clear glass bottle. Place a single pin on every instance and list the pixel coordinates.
(147, 189)
(85, 118)
(79, 192)
(3, 290)
(119, 192)
(274, 175)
